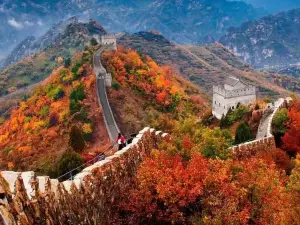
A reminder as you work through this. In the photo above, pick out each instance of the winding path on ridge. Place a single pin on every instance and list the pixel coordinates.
(110, 123)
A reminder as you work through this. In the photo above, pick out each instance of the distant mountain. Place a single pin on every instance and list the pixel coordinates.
(272, 41)
(62, 40)
(185, 21)
(204, 65)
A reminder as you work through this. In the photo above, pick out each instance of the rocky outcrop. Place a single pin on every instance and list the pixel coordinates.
(88, 199)
(272, 41)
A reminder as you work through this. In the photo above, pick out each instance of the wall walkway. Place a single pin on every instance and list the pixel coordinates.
(264, 138)
(102, 75)
(88, 199)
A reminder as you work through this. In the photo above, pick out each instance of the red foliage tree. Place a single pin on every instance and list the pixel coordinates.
(291, 139)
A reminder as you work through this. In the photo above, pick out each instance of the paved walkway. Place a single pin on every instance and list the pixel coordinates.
(265, 126)
(111, 125)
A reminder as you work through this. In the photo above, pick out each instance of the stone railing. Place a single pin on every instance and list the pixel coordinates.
(88, 199)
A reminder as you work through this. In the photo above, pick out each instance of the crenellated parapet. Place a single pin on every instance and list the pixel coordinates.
(248, 90)
(91, 196)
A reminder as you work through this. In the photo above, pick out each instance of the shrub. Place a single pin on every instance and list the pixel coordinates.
(78, 93)
(279, 121)
(44, 111)
(87, 129)
(116, 85)
(76, 139)
(76, 96)
(243, 133)
(215, 143)
(94, 42)
(74, 106)
(69, 161)
(27, 119)
(55, 92)
(68, 62)
(75, 70)
(53, 119)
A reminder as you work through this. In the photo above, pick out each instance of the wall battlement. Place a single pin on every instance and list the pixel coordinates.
(29, 199)
(250, 90)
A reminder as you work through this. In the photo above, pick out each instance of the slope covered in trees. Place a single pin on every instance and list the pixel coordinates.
(61, 114)
(180, 184)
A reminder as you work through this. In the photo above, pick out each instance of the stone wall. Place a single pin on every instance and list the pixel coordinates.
(88, 199)
(267, 141)
(251, 148)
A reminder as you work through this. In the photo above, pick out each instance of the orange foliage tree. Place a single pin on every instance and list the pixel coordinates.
(204, 191)
(291, 139)
(144, 75)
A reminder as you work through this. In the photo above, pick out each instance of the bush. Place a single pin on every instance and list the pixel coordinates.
(74, 106)
(76, 139)
(94, 42)
(280, 119)
(69, 161)
(243, 133)
(75, 70)
(55, 92)
(233, 116)
(68, 63)
(44, 111)
(53, 119)
(78, 93)
(115, 85)
(76, 96)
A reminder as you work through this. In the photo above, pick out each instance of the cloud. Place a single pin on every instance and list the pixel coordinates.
(40, 23)
(12, 22)
(28, 23)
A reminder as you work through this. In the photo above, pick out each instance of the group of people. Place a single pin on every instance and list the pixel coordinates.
(121, 141)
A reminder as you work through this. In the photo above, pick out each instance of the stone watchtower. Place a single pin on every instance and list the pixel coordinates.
(233, 92)
(109, 40)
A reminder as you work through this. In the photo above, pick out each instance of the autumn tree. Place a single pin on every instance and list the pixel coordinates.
(69, 161)
(291, 139)
(76, 139)
(243, 133)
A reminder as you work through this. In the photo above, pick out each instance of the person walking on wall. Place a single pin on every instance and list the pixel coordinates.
(121, 141)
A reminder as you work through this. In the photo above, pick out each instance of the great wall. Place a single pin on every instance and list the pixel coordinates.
(264, 137)
(90, 197)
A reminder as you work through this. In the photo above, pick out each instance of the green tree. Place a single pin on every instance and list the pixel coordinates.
(55, 92)
(76, 139)
(78, 93)
(94, 42)
(243, 133)
(280, 119)
(68, 62)
(70, 160)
